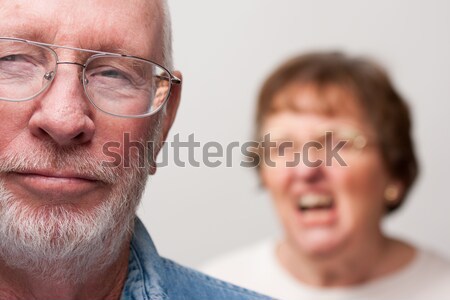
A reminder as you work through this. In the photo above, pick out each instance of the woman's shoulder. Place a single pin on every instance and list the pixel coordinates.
(427, 273)
(428, 276)
(430, 263)
(243, 263)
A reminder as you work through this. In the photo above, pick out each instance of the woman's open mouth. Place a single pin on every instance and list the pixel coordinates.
(314, 201)
(316, 209)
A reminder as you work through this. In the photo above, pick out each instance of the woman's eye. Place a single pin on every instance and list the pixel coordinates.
(281, 149)
(322, 139)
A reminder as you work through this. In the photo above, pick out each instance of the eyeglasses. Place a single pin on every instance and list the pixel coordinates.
(117, 84)
(348, 143)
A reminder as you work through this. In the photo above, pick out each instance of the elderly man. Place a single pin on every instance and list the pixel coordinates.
(76, 75)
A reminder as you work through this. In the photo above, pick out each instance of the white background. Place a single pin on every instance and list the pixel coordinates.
(226, 48)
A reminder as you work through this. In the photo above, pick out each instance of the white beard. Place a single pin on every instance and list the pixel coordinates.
(60, 242)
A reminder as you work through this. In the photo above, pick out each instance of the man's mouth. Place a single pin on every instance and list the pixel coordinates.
(311, 202)
(53, 184)
(57, 174)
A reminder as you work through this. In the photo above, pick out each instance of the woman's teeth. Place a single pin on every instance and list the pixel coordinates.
(313, 201)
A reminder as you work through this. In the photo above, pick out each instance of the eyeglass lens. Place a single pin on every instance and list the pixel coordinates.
(119, 85)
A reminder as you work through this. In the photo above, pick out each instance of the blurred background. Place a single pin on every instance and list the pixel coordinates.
(225, 49)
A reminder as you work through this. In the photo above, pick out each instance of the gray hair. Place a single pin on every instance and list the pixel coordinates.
(167, 58)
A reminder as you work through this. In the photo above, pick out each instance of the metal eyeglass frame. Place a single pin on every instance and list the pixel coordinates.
(172, 79)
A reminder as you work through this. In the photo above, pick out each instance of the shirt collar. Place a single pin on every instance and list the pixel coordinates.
(144, 268)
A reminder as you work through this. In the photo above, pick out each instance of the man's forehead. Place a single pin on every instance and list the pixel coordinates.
(129, 27)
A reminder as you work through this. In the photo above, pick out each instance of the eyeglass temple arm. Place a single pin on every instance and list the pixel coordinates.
(172, 79)
(175, 80)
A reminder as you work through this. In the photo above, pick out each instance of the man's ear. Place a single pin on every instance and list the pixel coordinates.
(172, 106)
(169, 114)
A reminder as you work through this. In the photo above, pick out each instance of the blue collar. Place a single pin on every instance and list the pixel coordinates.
(151, 277)
(144, 265)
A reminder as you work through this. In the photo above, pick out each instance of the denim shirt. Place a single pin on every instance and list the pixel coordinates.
(151, 276)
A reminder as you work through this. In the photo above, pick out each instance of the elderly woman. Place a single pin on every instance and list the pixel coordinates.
(341, 161)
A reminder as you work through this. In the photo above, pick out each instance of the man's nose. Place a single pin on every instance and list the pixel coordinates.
(63, 113)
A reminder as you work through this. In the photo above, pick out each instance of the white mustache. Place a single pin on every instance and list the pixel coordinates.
(49, 157)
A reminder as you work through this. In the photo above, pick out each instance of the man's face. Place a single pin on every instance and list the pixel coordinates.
(51, 146)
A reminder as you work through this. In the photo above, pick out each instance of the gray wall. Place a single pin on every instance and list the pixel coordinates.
(226, 48)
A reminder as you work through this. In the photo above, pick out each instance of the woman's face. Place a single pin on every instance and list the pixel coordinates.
(329, 206)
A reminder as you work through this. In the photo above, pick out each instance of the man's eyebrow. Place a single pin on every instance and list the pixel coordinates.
(25, 33)
(120, 43)
(28, 33)
(103, 45)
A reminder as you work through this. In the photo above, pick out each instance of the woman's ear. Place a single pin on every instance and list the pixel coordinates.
(393, 192)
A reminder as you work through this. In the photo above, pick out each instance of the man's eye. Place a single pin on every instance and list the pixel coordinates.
(9, 58)
(112, 73)
(18, 63)
(13, 57)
